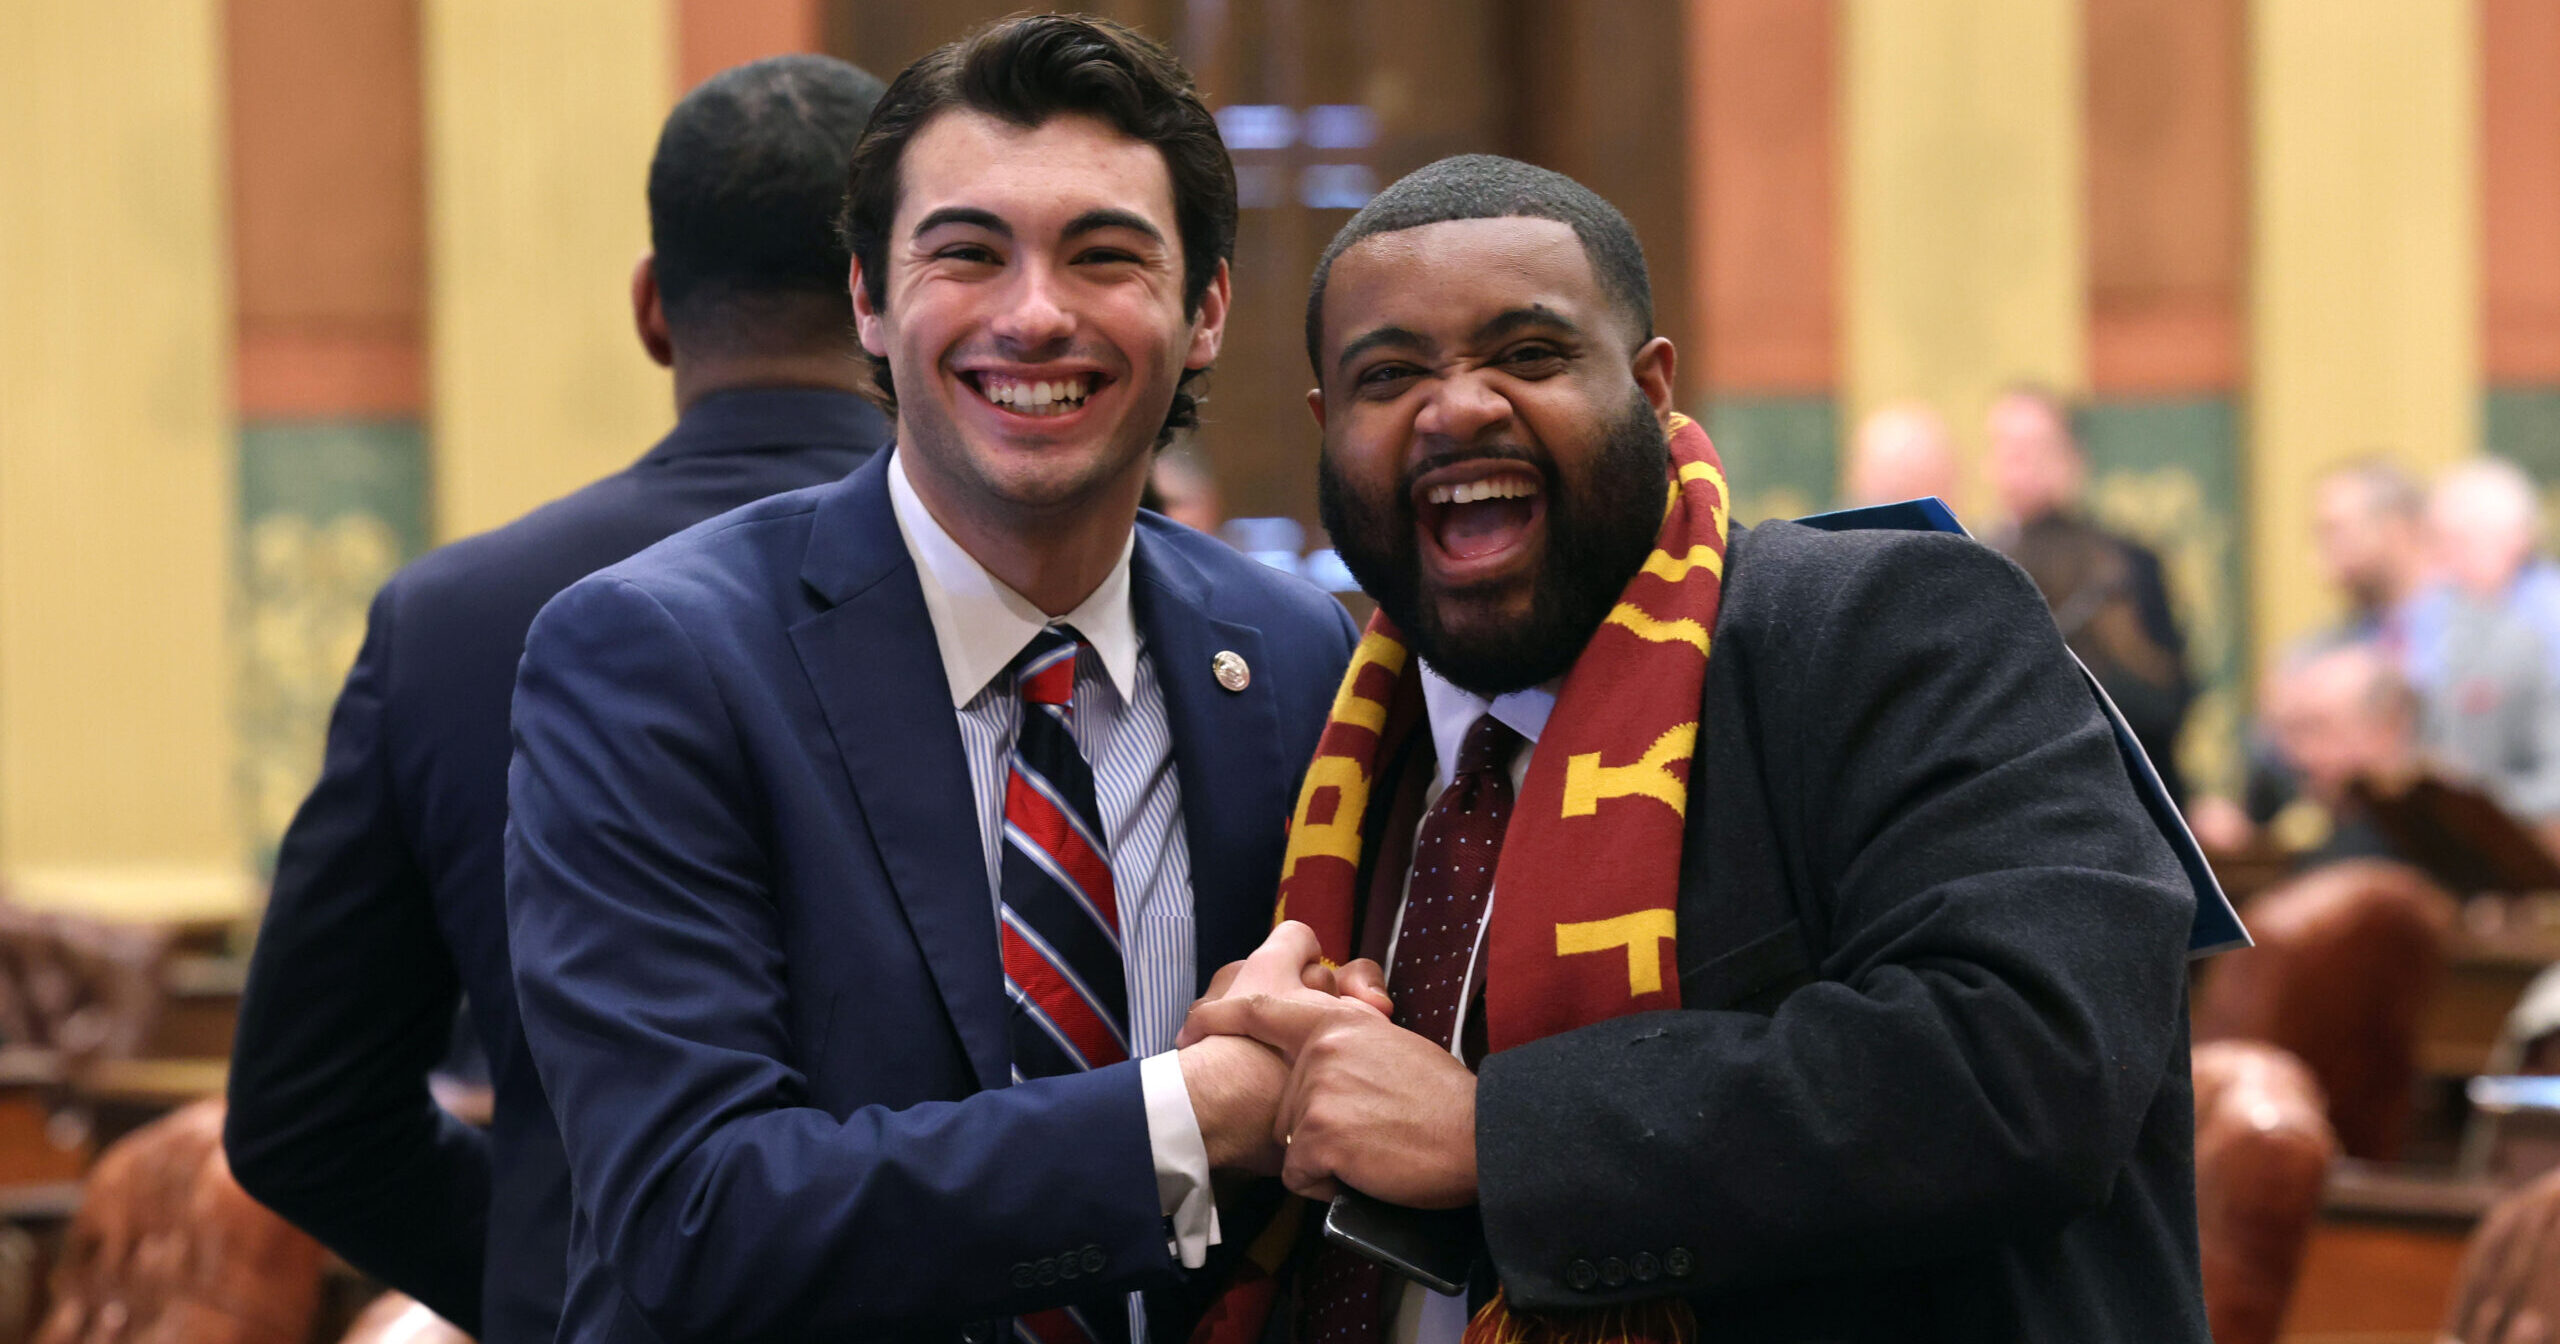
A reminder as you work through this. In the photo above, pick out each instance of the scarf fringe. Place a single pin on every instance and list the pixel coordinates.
(1661, 1320)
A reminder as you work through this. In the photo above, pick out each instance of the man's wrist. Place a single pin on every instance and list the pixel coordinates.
(1234, 1086)
(1183, 1189)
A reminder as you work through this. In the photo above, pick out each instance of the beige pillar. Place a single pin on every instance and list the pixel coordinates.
(1962, 193)
(540, 121)
(116, 738)
(2364, 280)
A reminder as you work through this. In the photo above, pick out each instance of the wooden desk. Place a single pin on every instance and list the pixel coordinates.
(2486, 972)
(199, 1007)
(2382, 1260)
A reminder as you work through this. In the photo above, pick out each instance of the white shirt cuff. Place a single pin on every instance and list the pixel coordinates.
(1182, 1160)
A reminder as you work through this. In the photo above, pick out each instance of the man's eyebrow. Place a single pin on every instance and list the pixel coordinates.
(1400, 337)
(1535, 315)
(968, 215)
(1108, 218)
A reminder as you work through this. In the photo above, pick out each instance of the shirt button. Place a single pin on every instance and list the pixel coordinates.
(1613, 1271)
(1646, 1266)
(1582, 1275)
(1678, 1263)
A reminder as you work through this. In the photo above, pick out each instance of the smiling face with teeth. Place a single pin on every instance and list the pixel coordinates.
(1035, 326)
(1494, 450)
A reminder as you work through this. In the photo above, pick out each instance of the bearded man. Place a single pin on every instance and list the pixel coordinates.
(1834, 987)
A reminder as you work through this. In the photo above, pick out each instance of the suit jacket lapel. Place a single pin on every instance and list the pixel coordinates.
(1226, 751)
(877, 674)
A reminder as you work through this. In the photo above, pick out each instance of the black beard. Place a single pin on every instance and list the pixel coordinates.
(1597, 538)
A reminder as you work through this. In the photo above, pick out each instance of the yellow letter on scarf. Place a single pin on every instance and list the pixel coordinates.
(1588, 783)
(1640, 933)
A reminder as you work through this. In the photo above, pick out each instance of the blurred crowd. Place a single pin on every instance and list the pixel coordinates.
(2443, 664)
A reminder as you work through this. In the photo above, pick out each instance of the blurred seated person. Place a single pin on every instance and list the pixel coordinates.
(1901, 452)
(2368, 523)
(2490, 689)
(2337, 715)
(2105, 590)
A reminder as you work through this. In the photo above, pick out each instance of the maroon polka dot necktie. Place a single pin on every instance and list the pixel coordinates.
(1445, 901)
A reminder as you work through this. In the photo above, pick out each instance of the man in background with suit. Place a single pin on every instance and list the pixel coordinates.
(2105, 590)
(867, 843)
(1778, 948)
(388, 906)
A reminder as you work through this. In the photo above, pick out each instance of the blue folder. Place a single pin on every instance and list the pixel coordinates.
(2217, 926)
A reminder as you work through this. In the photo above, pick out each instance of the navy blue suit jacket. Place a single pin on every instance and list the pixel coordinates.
(756, 953)
(389, 895)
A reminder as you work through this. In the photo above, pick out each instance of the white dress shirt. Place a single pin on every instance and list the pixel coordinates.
(1120, 726)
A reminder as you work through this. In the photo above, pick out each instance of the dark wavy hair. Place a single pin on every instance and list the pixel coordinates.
(1026, 70)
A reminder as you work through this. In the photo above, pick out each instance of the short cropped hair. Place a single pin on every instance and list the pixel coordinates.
(1027, 70)
(1488, 186)
(743, 194)
(2389, 490)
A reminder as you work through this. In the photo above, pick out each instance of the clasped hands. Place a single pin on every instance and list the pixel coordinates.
(1294, 1068)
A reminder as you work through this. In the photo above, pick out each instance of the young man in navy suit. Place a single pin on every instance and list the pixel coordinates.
(868, 843)
(389, 900)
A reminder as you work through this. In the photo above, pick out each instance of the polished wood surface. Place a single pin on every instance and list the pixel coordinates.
(328, 206)
(2519, 191)
(1763, 130)
(2168, 189)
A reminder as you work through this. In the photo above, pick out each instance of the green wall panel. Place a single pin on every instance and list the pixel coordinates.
(328, 510)
(2523, 423)
(1781, 454)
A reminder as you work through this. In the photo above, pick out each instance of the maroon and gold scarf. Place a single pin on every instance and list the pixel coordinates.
(1590, 866)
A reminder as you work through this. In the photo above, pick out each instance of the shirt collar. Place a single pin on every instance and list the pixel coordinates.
(1453, 711)
(979, 624)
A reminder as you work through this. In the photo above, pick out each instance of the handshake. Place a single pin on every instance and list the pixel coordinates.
(1295, 1069)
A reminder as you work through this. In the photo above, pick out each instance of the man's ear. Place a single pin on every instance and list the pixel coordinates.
(1209, 329)
(1654, 365)
(1315, 405)
(866, 319)
(649, 314)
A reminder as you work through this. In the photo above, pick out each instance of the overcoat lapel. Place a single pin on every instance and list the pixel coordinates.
(1226, 751)
(877, 674)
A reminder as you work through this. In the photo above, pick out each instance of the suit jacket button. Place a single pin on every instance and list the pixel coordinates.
(1070, 1265)
(1024, 1274)
(1582, 1275)
(1048, 1269)
(1092, 1260)
(1678, 1263)
(1613, 1271)
(1646, 1266)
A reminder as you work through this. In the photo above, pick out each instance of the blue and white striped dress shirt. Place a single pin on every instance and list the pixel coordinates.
(1120, 726)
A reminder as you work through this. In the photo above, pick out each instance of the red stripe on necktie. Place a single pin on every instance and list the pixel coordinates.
(1050, 989)
(1041, 820)
(1054, 1326)
(1051, 685)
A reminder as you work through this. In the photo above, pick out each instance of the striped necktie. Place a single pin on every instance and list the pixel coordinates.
(1060, 926)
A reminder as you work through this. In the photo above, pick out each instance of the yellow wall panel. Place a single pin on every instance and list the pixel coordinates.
(116, 743)
(2364, 285)
(1964, 238)
(540, 120)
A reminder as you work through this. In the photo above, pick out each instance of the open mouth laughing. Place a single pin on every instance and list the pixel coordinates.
(1479, 516)
(1057, 394)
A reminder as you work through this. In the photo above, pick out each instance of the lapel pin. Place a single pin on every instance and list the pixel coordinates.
(1232, 673)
